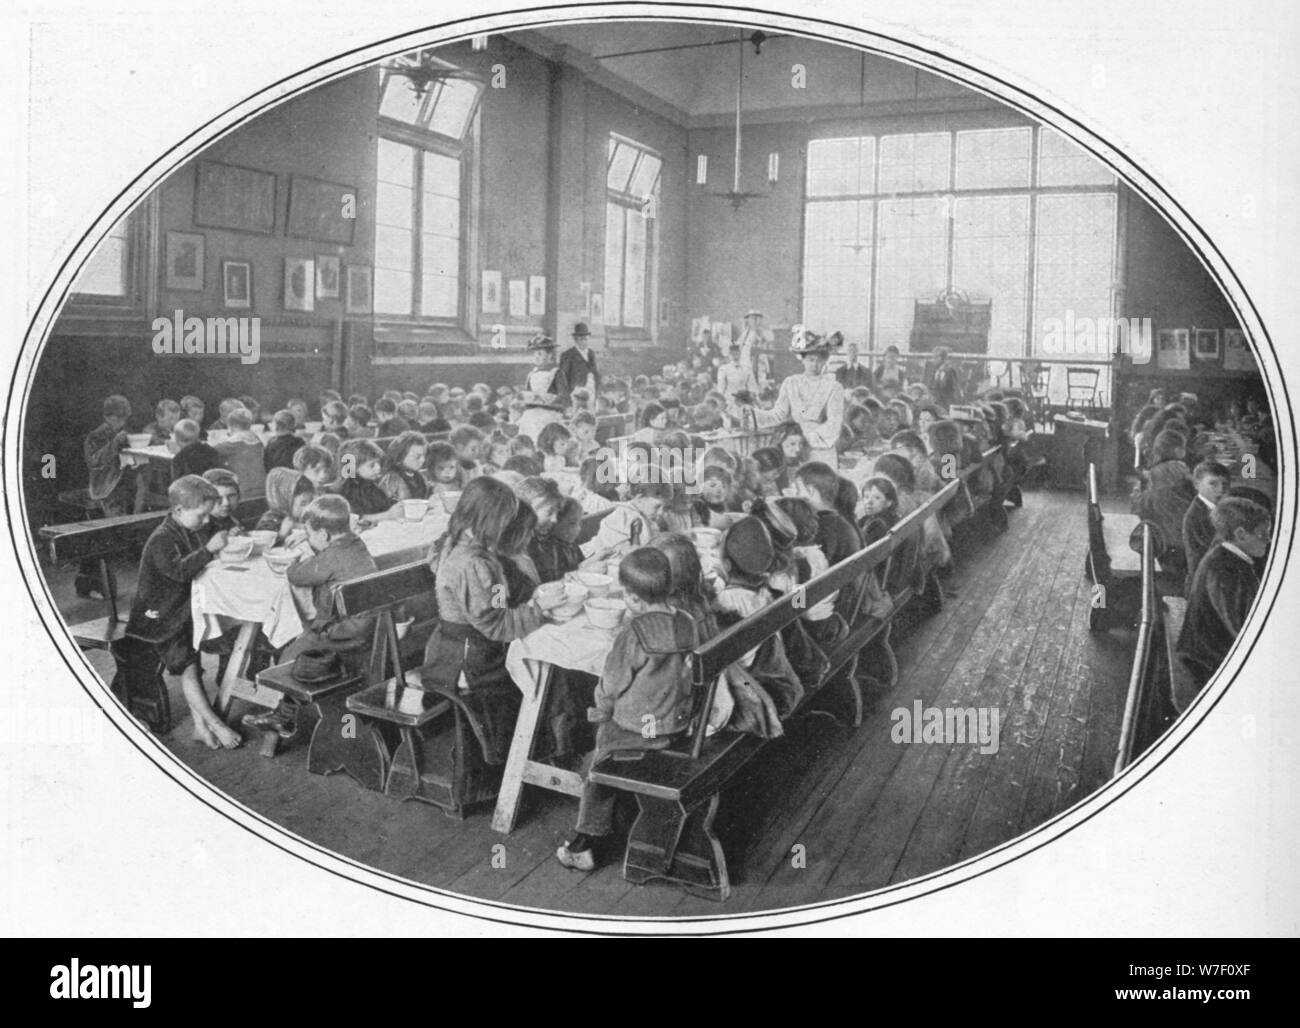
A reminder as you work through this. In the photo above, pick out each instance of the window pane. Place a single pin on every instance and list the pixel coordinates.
(837, 268)
(441, 175)
(990, 261)
(993, 158)
(396, 163)
(400, 99)
(913, 264)
(1074, 268)
(438, 296)
(442, 216)
(392, 291)
(915, 163)
(440, 254)
(634, 272)
(105, 272)
(841, 167)
(645, 176)
(620, 167)
(393, 205)
(1061, 163)
(393, 248)
(454, 104)
(613, 264)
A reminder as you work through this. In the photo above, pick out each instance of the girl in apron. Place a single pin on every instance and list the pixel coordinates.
(540, 395)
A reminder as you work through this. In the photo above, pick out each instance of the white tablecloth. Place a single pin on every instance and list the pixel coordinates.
(574, 644)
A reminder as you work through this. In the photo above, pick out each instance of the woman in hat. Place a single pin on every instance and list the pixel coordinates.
(737, 377)
(814, 400)
(541, 391)
(578, 367)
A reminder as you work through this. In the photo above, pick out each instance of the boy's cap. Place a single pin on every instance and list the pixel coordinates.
(748, 549)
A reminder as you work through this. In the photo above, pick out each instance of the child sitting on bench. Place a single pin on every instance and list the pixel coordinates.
(160, 614)
(644, 696)
(361, 464)
(223, 513)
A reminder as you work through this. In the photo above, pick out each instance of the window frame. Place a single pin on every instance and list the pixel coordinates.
(631, 205)
(142, 269)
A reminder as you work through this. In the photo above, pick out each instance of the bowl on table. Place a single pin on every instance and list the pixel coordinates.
(279, 558)
(313, 426)
(449, 501)
(595, 583)
(550, 595)
(706, 538)
(605, 612)
(240, 547)
(262, 541)
(138, 440)
(414, 510)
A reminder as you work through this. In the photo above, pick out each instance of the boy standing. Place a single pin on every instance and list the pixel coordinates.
(160, 614)
(1212, 480)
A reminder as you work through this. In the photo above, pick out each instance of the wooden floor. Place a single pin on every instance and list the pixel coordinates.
(867, 811)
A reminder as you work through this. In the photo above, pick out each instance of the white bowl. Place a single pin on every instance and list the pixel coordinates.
(595, 583)
(575, 593)
(606, 613)
(138, 440)
(706, 538)
(279, 559)
(262, 540)
(414, 510)
(550, 595)
(402, 627)
(449, 501)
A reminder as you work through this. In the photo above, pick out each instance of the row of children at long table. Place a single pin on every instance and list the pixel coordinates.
(1214, 536)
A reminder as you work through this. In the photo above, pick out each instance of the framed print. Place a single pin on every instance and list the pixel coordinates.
(518, 298)
(328, 269)
(237, 284)
(597, 308)
(359, 300)
(299, 284)
(491, 292)
(1236, 354)
(185, 261)
(227, 196)
(325, 211)
(1205, 343)
(1172, 349)
(536, 295)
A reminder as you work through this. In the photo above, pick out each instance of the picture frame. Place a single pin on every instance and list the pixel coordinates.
(1173, 349)
(185, 261)
(360, 290)
(1236, 351)
(491, 286)
(1205, 344)
(232, 197)
(319, 210)
(329, 271)
(536, 295)
(237, 284)
(299, 284)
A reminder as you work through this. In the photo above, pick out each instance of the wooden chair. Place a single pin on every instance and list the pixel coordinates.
(1081, 387)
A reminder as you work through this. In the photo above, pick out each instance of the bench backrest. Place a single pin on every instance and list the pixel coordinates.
(1098, 557)
(378, 594)
(102, 537)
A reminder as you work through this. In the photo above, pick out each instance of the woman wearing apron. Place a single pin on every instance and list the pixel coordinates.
(813, 400)
(540, 395)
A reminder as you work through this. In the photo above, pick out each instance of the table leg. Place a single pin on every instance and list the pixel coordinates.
(521, 749)
(236, 667)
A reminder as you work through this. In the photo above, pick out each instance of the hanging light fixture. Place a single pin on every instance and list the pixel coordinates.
(423, 70)
(735, 195)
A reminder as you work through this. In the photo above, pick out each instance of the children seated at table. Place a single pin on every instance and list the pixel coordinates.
(468, 648)
(334, 418)
(552, 442)
(160, 613)
(772, 476)
(716, 498)
(193, 409)
(243, 453)
(879, 509)
(1222, 591)
(584, 433)
(288, 494)
(521, 574)
(390, 422)
(911, 446)
(403, 474)
(445, 474)
(1212, 481)
(546, 551)
(297, 406)
(1168, 456)
(284, 442)
(223, 517)
(643, 699)
(192, 456)
(165, 415)
(430, 417)
(316, 464)
(360, 465)
(357, 423)
(467, 443)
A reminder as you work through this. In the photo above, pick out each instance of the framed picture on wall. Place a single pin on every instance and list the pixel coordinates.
(491, 292)
(328, 270)
(1205, 344)
(185, 261)
(299, 284)
(237, 284)
(358, 300)
(1236, 354)
(536, 295)
(1172, 349)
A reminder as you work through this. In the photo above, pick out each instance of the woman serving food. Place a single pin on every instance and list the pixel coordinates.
(813, 400)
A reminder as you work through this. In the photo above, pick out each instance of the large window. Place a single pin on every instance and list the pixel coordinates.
(421, 200)
(631, 233)
(1019, 216)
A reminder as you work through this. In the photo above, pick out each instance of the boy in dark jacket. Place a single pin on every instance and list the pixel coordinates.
(643, 699)
(160, 614)
(285, 443)
(1212, 480)
(1223, 589)
(193, 456)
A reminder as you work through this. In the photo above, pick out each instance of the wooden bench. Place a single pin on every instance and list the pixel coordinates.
(678, 789)
(1181, 682)
(1112, 565)
(337, 743)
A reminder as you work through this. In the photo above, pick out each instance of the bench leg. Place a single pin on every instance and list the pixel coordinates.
(521, 749)
(342, 741)
(668, 842)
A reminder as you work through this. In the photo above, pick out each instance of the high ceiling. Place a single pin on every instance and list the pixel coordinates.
(699, 84)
